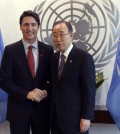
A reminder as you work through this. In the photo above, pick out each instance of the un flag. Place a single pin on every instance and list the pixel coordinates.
(3, 95)
(113, 97)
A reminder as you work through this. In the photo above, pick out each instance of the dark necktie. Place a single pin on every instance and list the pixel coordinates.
(61, 65)
(31, 61)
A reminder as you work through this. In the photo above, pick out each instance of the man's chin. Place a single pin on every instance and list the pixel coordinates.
(30, 40)
(61, 50)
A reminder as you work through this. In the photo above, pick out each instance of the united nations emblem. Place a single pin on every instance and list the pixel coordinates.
(91, 23)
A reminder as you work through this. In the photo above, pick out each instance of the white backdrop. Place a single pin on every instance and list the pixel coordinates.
(10, 11)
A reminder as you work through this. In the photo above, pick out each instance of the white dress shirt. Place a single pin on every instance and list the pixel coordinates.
(66, 53)
(34, 50)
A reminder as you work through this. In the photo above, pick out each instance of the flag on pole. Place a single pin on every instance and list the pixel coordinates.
(113, 97)
(3, 95)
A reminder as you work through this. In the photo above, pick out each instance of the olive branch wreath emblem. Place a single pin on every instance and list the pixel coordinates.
(110, 47)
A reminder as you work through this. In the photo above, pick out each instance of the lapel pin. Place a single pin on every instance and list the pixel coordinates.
(48, 82)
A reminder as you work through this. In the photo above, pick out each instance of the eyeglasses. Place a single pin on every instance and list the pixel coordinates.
(62, 35)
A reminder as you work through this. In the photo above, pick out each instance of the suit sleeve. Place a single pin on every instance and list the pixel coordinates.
(6, 78)
(88, 87)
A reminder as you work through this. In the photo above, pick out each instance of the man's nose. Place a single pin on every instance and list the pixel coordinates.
(29, 27)
(58, 38)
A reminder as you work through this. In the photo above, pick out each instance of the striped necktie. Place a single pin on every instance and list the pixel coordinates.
(61, 65)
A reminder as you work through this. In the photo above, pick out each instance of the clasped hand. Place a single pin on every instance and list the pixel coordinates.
(37, 95)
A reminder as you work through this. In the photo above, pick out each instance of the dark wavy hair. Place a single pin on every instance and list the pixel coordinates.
(29, 13)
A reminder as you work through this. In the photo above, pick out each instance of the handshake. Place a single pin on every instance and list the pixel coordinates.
(37, 95)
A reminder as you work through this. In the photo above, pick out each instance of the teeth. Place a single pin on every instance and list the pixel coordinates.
(30, 33)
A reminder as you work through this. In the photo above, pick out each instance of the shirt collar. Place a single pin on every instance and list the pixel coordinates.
(66, 53)
(26, 44)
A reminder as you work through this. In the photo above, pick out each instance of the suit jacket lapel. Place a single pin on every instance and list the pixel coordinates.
(56, 65)
(23, 57)
(41, 60)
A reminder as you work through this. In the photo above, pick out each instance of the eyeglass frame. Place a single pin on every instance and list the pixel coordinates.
(61, 35)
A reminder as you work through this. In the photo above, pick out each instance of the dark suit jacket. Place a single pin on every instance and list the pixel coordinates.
(17, 81)
(73, 95)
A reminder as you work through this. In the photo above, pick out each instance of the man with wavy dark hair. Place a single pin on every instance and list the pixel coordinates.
(25, 76)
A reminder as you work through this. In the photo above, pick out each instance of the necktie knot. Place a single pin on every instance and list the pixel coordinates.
(62, 57)
(30, 47)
